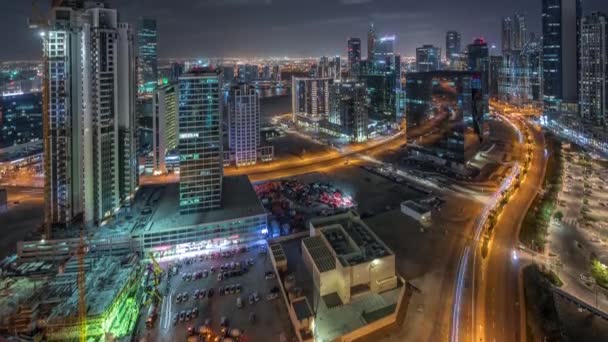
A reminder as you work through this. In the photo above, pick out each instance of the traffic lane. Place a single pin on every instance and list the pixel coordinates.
(502, 307)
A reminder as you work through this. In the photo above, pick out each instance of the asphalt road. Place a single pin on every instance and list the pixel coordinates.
(499, 307)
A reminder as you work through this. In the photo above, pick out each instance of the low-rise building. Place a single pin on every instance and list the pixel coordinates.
(417, 211)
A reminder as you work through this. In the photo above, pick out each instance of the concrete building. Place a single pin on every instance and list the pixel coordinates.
(241, 220)
(345, 257)
(310, 97)
(147, 51)
(560, 34)
(593, 87)
(417, 211)
(164, 125)
(428, 58)
(244, 124)
(200, 140)
(507, 35)
(90, 163)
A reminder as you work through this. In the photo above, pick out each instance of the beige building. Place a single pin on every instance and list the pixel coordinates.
(346, 258)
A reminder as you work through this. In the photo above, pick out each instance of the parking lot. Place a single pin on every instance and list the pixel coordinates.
(256, 318)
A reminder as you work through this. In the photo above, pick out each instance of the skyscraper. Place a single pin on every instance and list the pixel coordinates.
(164, 125)
(90, 162)
(427, 58)
(348, 109)
(560, 52)
(452, 45)
(384, 52)
(200, 141)
(244, 124)
(520, 32)
(310, 97)
(479, 60)
(148, 57)
(371, 42)
(507, 35)
(354, 56)
(336, 68)
(593, 97)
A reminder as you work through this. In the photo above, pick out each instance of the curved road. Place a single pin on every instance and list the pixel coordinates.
(487, 302)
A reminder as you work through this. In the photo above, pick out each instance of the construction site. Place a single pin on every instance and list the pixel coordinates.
(47, 301)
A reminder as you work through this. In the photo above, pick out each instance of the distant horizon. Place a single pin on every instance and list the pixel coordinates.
(292, 27)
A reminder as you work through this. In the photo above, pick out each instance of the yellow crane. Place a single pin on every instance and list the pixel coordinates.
(158, 276)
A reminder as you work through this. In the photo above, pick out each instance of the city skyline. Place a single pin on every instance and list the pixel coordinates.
(295, 28)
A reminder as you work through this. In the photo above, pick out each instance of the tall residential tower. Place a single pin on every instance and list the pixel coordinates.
(90, 162)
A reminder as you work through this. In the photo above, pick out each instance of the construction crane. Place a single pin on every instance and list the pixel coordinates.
(158, 276)
(82, 304)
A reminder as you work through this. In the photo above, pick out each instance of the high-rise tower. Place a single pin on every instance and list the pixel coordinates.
(560, 52)
(200, 141)
(148, 56)
(244, 124)
(593, 96)
(90, 163)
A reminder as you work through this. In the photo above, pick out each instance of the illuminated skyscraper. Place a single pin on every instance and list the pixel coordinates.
(479, 60)
(384, 52)
(520, 32)
(507, 35)
(427, 58)
(593, 97)
(244, 124)
(452, 45)
(200, 141)
(90, 161)
(371, 42)
(560, 52)
(164, 125)
(348, 110)
(354, 56)
(148, 57)
(310, 97)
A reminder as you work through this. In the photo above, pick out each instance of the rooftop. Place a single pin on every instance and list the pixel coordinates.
(239, 200)
(302, 308)
(321, 255)
(417, 207)
(352, 241)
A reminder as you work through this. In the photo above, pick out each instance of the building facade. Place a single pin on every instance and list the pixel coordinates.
(354, 57)
(371, 42)
(593, 87)
(384, 53)
(310, 97)
(348, 110)
(200, 141)
(90, 163)
(164, 125)
(244, 124)
(456, 100)
(147, 45)
(452, 46)
(428, 58)
(560, 52)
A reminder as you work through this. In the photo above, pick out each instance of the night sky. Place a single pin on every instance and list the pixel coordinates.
(295, 28)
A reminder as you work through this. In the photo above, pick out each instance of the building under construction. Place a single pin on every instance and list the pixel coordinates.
(39, 302)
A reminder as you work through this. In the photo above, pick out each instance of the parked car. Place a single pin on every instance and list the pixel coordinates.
(269, 275)
(272, 296)
(239, 302)
(210, 292)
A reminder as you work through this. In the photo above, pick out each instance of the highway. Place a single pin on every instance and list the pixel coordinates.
(486, 304)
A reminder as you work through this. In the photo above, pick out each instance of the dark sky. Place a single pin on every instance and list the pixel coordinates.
(235, 28)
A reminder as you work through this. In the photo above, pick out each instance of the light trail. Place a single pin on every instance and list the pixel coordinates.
(480, 222)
